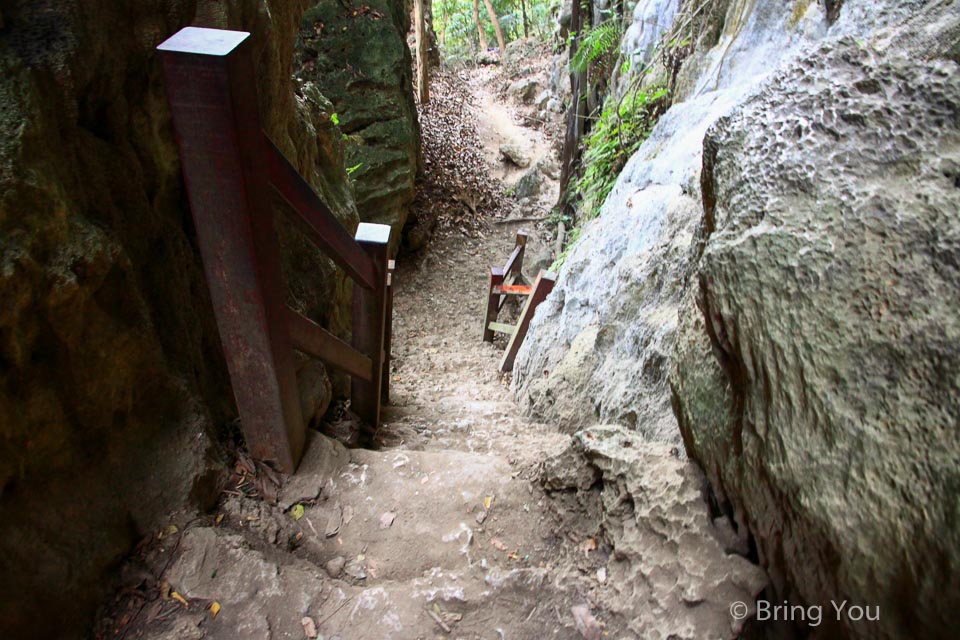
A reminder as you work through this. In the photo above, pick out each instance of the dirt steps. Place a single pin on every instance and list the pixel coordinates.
(467, 521)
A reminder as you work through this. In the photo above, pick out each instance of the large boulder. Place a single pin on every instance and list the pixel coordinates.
(113, 389)
(360, 60)
(794, 301)
(818, 383)
(599, 346)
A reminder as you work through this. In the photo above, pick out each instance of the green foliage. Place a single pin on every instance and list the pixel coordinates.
(453, 23)
(350, 170)
(598, 44)
(622, 127)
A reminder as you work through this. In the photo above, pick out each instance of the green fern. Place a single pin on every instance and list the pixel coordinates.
(597, 43)
(622, 127)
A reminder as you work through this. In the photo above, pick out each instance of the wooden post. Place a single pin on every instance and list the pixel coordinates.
(422, 49)
(493, 303)
(369, 324)
(388, 335)
(541, 289)
(516, 267)
(211, 87)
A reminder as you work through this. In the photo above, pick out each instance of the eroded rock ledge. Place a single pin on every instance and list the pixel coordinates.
(673, 571)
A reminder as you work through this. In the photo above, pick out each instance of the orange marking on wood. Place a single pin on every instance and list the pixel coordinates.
(518, 289)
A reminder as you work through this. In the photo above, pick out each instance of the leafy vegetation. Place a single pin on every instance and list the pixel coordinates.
(597, 46)
(457, 32)
(622, 127)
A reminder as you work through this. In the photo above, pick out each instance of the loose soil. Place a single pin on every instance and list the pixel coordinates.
(442, 529)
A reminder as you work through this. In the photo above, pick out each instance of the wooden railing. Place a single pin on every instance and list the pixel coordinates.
(508, 281)
(231, 169)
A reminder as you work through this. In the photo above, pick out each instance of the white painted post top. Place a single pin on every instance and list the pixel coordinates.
(373, 233)
(209, 42)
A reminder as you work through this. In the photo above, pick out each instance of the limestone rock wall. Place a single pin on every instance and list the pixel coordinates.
(818, 375)
(773, 280)
(599, 347)
(359, 58)
(114, 396)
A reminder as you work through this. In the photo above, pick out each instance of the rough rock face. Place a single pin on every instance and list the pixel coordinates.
(599, 347)
(674, 571)
(112, 387)
(360, 60)
(819, 385)
(811, 275)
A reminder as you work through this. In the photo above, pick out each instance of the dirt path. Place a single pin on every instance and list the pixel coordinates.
(441, 529)
(465, 521)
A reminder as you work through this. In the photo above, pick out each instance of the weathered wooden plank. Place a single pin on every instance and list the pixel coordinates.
(512, 271)
(541, 289)
(513, 290)
(314, 340)
(501, 327)
(493, 302)
(388, 335)
(369, 319)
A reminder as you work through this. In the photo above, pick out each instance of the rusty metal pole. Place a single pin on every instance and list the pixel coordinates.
(369, 326)
(211, 88)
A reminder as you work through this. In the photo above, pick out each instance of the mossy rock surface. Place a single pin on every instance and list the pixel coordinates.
(360, 60)
(114, 396)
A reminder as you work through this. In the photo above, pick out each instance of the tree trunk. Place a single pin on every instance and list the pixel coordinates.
(576, 119)
(476, 19)
(423, 46)
(526, 21)
(496, 25)
(433, 50)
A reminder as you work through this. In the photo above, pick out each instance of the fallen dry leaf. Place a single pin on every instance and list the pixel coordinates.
(587, 546)
(496, 544)
(309, 627)
(334, 522)
(487, 501)
(214, 609)
(179, 598)
(586, 624)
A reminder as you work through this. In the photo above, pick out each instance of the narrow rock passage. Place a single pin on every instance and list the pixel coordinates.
(440, 528)
(465, 521)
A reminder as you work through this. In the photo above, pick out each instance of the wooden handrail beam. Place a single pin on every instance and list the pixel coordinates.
(369, 326)
(316, 218)
(542, 287)
(314, 340)
(211, 88)
(513, 290)
(493, 302)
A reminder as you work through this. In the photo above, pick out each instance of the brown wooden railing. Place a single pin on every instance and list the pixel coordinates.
(508, 281)
(230, 168)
